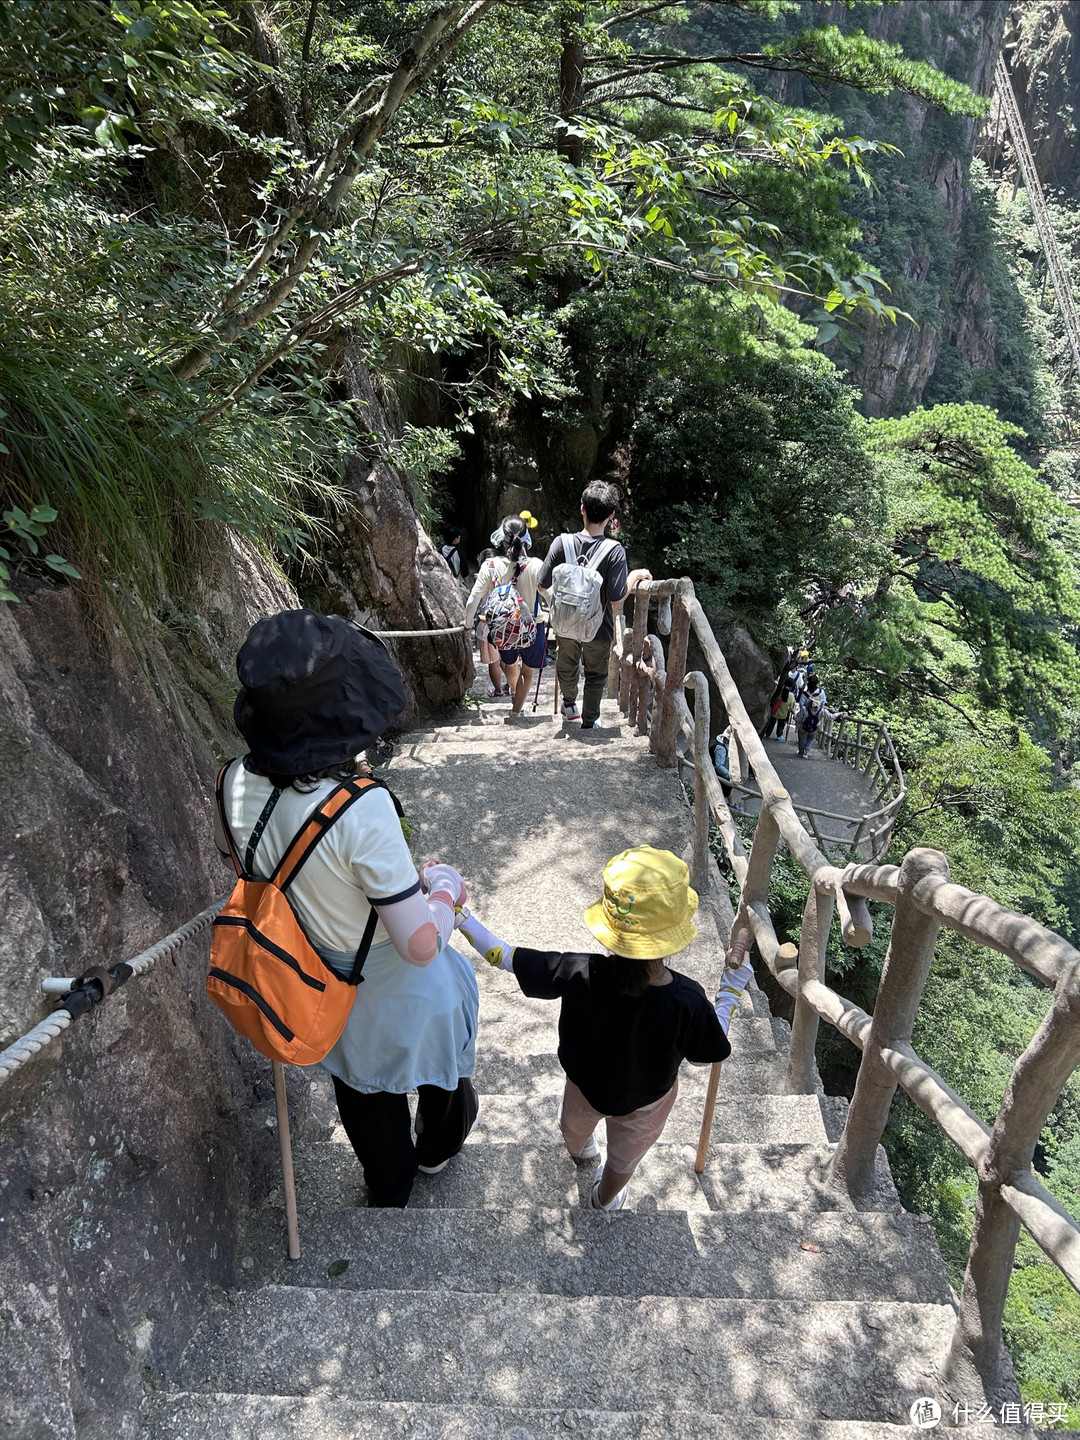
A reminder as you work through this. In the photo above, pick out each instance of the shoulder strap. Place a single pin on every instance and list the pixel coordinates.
(600, 552)
(257, 832)
(356, 974)
(316, 826)
(569, 545)
(219, 796)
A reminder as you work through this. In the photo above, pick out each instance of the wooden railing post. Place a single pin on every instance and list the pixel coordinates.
(676, 673)
(907, 964)
(755, 888)
(974, 1362)
(813, 945)
(638, 711)
(701, 870)
(614, 655)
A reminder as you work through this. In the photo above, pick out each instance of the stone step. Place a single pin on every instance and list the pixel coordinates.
(795, 1360)
(223, 1416)
(485, 1176)
(747, 1072)
(554, 1251)
(747, 1119)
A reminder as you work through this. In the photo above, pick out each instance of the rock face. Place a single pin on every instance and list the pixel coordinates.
(941, 288)
(130, 1143)
(1043, 48)
(385, 572)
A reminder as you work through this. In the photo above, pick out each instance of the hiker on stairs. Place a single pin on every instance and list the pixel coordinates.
(510, 578)
(316, 691)
(627, 1021)
(584, 639)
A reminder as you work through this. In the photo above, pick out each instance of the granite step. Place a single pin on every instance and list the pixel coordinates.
(749, 1119)
(794, 1360)
(737, 1177)
(224, 1416)
(829, 1255)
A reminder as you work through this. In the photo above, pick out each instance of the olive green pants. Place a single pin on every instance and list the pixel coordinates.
(593, 656)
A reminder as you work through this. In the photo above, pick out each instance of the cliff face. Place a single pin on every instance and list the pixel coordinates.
(915, 225)
(134, 1145)
(1042, 45)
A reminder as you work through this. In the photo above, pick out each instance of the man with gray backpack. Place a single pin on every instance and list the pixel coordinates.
(586, 576)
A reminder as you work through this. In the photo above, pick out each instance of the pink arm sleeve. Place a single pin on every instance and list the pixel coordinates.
(419, 926)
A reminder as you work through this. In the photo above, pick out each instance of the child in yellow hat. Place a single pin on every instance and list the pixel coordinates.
(627, 1020)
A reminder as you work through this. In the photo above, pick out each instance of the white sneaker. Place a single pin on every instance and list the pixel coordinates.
(514, 715)
(589, 1151)
(571, 712)
(612, 1205)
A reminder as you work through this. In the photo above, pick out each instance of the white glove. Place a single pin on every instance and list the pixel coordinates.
(732, 987)
(495, 951)
(443, 879)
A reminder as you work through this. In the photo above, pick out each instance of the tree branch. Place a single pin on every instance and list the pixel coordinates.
(328, 186)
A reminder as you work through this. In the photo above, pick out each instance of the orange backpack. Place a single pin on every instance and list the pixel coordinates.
(265, 974)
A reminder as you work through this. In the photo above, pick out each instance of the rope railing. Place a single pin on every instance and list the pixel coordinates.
(85, 991)
(650, 682)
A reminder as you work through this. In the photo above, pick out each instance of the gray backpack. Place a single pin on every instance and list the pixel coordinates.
(577, 609)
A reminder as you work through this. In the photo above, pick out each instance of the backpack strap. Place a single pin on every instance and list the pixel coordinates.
(600, 552)
(219, 797)
(569, 545)
(257, 832)
(316, 825)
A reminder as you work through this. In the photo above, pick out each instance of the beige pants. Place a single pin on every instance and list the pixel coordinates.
(629, 1137)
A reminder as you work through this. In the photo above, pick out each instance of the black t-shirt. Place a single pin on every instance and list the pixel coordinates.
(621, 1051)
(612, 568)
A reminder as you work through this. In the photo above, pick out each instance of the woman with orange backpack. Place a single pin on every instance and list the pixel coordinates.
(316, 691)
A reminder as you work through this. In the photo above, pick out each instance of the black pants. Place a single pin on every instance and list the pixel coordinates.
(380, 1132)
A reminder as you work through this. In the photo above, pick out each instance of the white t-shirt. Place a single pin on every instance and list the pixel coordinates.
(362, 857)
(497, 571)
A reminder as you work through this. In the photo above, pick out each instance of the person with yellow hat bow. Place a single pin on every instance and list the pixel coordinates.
(627, 1020)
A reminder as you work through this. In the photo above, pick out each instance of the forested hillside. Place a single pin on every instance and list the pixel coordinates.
(288, 289)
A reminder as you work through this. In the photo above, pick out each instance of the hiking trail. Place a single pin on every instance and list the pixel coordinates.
(751, 1301)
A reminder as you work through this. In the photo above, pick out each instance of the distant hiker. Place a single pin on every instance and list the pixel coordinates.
(453, 552)
(783, 701)
(627, 1022)
(506, 593)
(592, 582)
(721, 762)
(498, 689)
(811, 713)
(316, 690)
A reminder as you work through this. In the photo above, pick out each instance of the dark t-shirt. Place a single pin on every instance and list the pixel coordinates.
(621, 1051)
(612, 568)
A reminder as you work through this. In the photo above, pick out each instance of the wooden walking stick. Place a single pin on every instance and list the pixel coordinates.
(285, 1141)
(739, 946)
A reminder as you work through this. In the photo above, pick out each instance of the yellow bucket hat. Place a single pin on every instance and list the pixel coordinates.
(648, 905)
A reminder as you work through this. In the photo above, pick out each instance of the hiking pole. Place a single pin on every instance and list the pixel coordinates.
(739, 947)
(540, 672)
(285, 1141)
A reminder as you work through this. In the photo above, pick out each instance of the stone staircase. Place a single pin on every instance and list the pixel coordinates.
(751, 1301)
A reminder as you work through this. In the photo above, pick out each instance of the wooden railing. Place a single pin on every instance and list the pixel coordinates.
(651, 684)
(866, 747)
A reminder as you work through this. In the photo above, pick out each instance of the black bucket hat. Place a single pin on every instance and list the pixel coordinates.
(317, 689)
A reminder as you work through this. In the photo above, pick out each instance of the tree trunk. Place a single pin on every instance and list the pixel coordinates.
(385, 571)
(571, 75)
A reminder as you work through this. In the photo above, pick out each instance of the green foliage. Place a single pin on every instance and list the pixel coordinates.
(976, 595)
(114, 75)
(27, 530)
